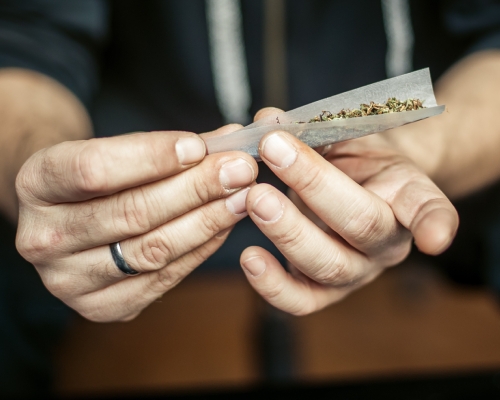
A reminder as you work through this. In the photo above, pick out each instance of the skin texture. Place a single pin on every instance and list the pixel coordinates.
(168, 205)
(459, 150)
(351, 213)
(354, 212)
(170, 208)
(36, 112)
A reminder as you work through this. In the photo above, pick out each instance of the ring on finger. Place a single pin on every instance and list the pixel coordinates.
(116, 253)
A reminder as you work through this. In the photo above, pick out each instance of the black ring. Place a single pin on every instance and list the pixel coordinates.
(116, 253)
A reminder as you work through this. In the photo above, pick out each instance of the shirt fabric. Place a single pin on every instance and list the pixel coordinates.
(145, 65)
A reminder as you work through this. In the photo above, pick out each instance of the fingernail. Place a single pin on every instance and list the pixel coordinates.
(256, 266)
(236, 203)
(190, 150)
(235, 174)
(279, 151)
(268, 207)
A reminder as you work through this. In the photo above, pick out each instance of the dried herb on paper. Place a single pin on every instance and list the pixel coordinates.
(392, 105)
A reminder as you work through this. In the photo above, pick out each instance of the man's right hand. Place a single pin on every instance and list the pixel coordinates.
(156, 193)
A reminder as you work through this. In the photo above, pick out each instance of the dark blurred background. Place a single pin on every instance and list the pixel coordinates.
(432, 321)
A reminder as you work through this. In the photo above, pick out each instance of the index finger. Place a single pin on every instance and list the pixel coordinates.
(81, 170)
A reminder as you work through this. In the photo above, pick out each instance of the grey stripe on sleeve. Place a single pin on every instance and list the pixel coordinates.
(229, 66)
(399, 33)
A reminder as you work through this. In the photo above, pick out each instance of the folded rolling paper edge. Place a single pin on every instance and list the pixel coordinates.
(326, 132)
(416, 84)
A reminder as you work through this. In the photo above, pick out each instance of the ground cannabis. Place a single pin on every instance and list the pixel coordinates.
(392, 105)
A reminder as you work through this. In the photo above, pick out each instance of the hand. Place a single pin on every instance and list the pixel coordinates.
(365, 202)
(168, 205)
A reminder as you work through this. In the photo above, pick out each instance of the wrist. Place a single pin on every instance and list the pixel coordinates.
(36, 112)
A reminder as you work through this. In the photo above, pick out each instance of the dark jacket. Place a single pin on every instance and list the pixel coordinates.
(146, 65)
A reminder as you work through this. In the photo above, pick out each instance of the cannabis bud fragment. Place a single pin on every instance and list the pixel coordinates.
(391, 106)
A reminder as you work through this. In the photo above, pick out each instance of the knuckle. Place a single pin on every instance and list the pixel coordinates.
(40, 168)
(24, 179)
(155, 152)
(335, 272)
(211, 223)
(367, 226)
(22, 185)
(88, 170)
(154, 252)
(97, 274)
(134, 211)
(164, 280)
(38, 245)
(292, 239)
(313, 183)
(275, 292)
(168, 277)
(202, 192)
(59, 284)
